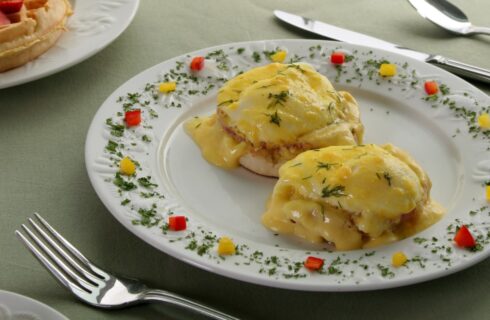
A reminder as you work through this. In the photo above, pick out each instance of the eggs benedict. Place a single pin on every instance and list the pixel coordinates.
(270, 114)
(351, 197)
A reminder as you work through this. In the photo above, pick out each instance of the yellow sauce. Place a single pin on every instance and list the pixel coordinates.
(217, 147)
(352, 197)
(273, 113)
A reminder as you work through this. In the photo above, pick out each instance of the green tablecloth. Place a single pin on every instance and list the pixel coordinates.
(43, 126)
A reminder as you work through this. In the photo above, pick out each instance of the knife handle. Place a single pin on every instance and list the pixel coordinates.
(460, 68)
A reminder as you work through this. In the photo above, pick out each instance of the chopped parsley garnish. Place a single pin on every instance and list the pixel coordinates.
(295, 66)
(148, 217)
(385, 175)
(123, 184)
(444, 89)
(385, 271)
(277, 98)
(274, 118)
(145, 182)
(221, 59)
(295, 59)
(117, 130)
(111, 146)
(333, 270)
(268, 54)
(324, 165)
(240, 50)
(349, 58)
(335, 191)
(256, 56)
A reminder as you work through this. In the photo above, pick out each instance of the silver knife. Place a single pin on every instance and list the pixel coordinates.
(336, 33)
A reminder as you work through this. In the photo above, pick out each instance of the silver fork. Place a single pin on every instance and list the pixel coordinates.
(91, 284)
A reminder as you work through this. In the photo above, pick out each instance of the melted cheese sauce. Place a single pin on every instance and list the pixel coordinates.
(352, 197)
(216, 146)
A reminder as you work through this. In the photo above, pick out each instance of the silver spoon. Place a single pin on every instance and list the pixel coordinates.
(447, 16)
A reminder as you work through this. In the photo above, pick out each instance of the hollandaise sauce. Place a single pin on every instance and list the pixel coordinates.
(352, 197)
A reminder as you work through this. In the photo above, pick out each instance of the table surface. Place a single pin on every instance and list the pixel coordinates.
(43, 125)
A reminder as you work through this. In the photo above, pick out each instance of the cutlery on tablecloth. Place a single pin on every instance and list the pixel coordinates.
(447, 16)
(91, 284)
(340, 34)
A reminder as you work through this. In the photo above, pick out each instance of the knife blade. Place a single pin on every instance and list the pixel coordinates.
(344, 35)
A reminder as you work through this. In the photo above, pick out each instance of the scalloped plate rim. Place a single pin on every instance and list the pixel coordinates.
(260, 280)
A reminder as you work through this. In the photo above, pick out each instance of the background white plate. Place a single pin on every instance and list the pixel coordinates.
(229, 203)
(92, 27)
(14, 306)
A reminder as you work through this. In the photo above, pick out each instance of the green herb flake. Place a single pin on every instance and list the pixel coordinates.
(275, 118)
(419, 240)
(324, 165)
(256, 56)
(385, 271)
(277, 98)
(111, 146)
(387, 177)
(117, 130)
(145, 182)
(334, 191)
(123, 184)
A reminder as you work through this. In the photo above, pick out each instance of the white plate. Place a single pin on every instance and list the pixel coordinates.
(14, 306)
(230, 203)
(92, 27)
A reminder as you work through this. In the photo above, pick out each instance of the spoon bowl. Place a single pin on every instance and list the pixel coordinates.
(447, 16)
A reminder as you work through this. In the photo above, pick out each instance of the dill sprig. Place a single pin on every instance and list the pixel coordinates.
(278, 98)
(335, 191)
(324, 165)
(275, 118)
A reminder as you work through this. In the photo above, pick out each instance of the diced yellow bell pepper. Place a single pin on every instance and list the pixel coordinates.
(166, 87)
(484, 121)
(226, 246)
(127, 167)
(398, 259)
(279, 56)
(487, 193)
(387, 70)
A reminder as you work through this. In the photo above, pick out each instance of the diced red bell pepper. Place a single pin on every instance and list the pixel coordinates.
(337, 58)
(4, 20)
(463, 238)
(431, 87)
(313, 263)
(197, 64)
(177, 223)
(10, 6)
(132, 117)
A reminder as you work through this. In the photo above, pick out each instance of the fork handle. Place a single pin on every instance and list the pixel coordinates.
(155, 295)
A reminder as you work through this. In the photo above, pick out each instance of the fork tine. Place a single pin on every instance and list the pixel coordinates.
(47, 264)
(62, 252)
(72, 249)
(61, 265)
